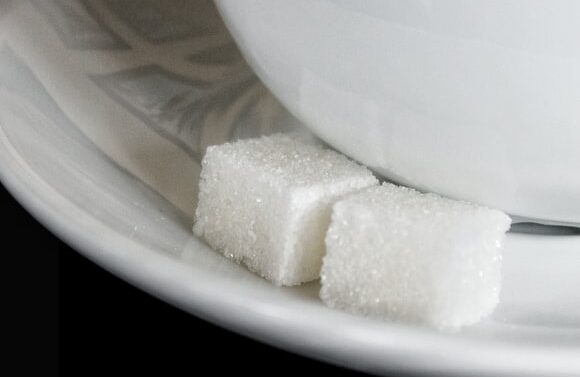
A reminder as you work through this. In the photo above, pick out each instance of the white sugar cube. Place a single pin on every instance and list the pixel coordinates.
(266, 202)
(395, 253)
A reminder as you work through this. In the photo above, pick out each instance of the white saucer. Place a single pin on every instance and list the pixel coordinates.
(104, 113)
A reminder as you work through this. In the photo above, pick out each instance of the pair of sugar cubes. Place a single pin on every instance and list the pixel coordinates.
(293, 211)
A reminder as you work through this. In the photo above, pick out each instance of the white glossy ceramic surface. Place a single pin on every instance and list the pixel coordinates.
(478, 100)
(104, 113)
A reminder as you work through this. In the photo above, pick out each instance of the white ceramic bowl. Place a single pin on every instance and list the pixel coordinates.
(477, 100)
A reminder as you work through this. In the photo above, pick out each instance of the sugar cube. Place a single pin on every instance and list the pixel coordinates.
(266, 202)
(395, 253)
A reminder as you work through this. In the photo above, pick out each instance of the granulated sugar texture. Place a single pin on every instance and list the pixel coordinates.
(395, 253)
(266, 202)
(391, 252)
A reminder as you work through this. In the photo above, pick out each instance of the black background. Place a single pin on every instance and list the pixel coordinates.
(74, 317)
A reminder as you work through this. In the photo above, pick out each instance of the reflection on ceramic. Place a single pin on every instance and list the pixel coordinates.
(102, 124)
(474, 101)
